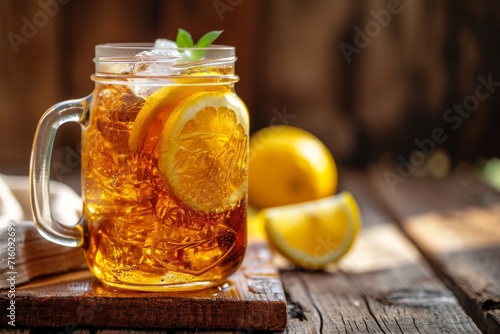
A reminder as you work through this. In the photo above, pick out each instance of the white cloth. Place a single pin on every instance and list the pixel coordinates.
(34, 255)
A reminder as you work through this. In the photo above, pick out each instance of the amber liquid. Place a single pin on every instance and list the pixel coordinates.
(140, 236)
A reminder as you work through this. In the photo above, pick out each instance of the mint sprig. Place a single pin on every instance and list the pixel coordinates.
(208, 38)
(185, 40)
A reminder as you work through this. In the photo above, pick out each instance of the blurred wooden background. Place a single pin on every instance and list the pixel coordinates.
(394, 88)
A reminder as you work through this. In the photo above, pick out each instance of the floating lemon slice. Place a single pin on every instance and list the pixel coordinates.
(316, 233)
(160, 104)
(204, 151)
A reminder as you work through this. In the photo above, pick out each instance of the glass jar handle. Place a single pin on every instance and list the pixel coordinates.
(41, 153)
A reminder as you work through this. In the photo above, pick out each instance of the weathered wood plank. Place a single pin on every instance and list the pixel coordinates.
(340, 303)
(253, 299)
(303, 317)
(455, 222)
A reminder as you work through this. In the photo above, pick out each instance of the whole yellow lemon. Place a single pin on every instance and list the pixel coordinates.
(289, 165)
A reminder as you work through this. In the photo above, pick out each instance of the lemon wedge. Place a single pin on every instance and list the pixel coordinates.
(316, 233)
(204, 151)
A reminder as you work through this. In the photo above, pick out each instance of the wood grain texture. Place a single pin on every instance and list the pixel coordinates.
(391, 278)
(253, 299)
(303, 315)
(455, 222)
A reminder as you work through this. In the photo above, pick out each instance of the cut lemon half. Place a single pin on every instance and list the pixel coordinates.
(316, 233)
(204, 151)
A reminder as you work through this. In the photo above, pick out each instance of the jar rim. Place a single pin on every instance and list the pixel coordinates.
(109, 51)
(140, 45)
(138, 61)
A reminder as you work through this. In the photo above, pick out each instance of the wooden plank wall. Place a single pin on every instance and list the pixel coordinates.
(418, 62)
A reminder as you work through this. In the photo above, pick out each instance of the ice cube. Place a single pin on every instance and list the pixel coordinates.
(160, 60)
(162, 43)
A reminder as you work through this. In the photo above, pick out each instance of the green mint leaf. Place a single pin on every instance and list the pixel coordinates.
(207, 39)
(204, 42)
(184, 39)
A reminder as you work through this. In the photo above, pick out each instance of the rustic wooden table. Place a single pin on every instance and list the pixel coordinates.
(427, 261)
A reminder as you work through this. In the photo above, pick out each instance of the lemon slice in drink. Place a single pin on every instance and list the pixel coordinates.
(160, 104)
(204, 151)
(316, 233)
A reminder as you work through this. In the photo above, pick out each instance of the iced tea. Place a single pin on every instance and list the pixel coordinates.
(164, 166)
(164, 172)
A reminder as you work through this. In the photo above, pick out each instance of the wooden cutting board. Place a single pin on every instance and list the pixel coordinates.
(252, 298)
